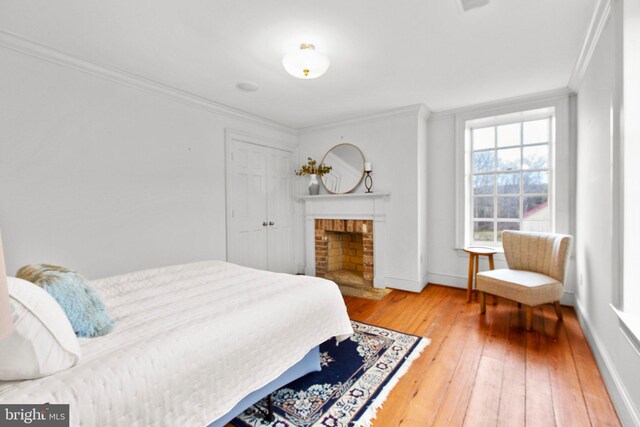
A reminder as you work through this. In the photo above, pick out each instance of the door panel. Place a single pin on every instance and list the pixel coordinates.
(280, 212)
(247, 240)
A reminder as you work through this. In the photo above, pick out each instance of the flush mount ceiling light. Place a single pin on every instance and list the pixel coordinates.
(306, 63)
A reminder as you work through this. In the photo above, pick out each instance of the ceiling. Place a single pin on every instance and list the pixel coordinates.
(384, 54)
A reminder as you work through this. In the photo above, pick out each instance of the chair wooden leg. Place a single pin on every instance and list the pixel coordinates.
(470, 279)
(483, 302)
(475, 275)
(492, 267)
(529, 318)
(556, 305)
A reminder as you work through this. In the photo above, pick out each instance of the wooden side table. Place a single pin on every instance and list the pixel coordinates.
(475, 252)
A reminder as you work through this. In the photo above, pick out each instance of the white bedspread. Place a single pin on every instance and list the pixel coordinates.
(190, 342)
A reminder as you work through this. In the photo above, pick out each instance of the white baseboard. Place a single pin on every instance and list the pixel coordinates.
(446, 279)
(457, 281)
(568, 298)
(405, 284)
(628, 413)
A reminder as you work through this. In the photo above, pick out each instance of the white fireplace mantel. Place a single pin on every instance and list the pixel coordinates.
(369, 206)
(346, 196)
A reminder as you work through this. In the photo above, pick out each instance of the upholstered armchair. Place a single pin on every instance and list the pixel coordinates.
(536, 274)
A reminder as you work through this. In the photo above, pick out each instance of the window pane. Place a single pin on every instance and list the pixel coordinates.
(540, 226)
(535, 157)
(509, 159)
(508, 207)
(483, 161)
(536, 208)
(484, 138)
(508, 183)
(536, 131)
(507, 226)
(483, 231)
(535, 182)
(483, 207)
(483, 184)
(509, 135)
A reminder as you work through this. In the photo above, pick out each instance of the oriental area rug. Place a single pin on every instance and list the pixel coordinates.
(356, 377)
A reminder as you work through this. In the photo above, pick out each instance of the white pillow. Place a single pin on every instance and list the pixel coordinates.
(42, 342)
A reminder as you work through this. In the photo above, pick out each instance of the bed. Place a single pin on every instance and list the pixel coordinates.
(193, 343)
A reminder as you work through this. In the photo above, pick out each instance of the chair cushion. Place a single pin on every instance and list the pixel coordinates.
(521, 286)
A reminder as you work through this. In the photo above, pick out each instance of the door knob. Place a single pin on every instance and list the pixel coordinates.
(271, 223)
(264, 224)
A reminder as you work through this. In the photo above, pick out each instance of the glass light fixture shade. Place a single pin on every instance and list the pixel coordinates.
(306, 63)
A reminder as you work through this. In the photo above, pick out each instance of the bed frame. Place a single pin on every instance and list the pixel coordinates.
(309, 363)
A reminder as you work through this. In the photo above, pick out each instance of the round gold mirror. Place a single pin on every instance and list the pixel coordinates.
(347, 168)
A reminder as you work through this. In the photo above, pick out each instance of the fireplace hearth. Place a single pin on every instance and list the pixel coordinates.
(344, 254)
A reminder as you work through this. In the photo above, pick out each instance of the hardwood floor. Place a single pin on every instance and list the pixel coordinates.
(486, 370)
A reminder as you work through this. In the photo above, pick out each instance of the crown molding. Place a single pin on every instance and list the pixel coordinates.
(549, 95)
(418, 110)
(29, 47)
(594, 31)
(423, 112)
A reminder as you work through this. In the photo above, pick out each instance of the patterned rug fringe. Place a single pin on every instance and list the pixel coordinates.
(369, 415)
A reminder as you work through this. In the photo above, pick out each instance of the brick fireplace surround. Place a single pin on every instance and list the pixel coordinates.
(344, 244)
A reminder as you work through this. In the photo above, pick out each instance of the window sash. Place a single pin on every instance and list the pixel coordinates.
(521, 194)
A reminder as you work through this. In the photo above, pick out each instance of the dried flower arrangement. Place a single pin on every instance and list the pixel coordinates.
(312, 168)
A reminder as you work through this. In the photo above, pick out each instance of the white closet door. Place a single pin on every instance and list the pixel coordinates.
(280, 212)
(247, 239)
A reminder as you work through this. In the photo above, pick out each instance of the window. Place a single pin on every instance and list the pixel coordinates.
(508, 171)
(626, 173)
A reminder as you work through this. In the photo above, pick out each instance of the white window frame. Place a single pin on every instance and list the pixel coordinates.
(519, 118)
(561, 164)
(625, 150)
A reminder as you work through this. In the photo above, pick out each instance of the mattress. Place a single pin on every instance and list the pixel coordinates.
(190, 342)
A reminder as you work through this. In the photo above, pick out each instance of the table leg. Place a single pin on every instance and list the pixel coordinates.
(470, 279)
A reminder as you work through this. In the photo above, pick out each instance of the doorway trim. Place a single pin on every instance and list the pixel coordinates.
(231, 135)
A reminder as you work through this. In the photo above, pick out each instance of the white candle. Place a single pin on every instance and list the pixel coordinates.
(367, 166)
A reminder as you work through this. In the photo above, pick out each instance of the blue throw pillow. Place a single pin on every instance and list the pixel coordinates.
(79, 300)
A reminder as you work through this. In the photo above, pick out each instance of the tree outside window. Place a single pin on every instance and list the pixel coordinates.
(509, 172)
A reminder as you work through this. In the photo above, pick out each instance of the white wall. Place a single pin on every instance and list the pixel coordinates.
(395, 145)
(105, 178)
(447, 266)
(597, 111)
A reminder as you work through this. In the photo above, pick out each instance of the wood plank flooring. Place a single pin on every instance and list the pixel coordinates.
(486, 370)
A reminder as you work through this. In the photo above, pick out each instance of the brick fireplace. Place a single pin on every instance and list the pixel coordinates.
(344, 251)
(341, 223)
